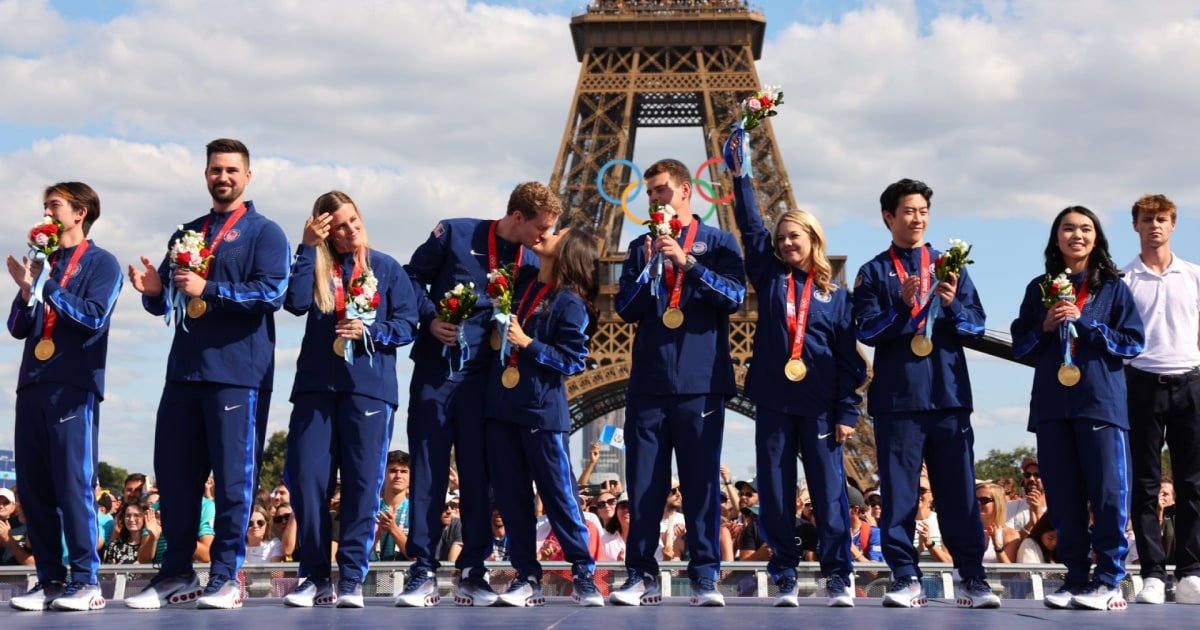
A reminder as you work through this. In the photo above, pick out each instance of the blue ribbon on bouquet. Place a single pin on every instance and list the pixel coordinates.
(935, 310)
(367, 318)
(737, 150)
(39, 283)
(502, 320)
(1067, 332)
(177, 305)
(464, 353)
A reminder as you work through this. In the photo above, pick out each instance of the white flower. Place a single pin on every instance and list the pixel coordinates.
(959, 243)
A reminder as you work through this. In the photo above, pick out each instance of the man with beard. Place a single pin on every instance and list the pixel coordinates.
(219, 377)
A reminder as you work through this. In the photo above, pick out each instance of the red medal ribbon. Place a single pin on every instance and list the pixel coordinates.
(51, 314)
(523, 318)
(797, 317)
(675, 277)
(493, 257)
(903, 275)
(213, 244)
(339, 289)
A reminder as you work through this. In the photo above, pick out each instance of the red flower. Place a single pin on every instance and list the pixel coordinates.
(502, 281)
(452, 304)
(51, 229)
(205, 253)
(375, 301)
(356, 290)
(494, 289)
(184, 259)
(656, 217)
(766, 102)
(676, 226)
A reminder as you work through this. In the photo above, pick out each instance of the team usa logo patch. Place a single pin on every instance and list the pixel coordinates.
(438, 230)
(699, 247)
(822, 296)
(232, 235)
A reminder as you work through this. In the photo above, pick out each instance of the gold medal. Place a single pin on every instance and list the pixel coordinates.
(921, 345)
(495, 339)
(672, 318)
(196, 308)
(795, 370)
(510, 377)
(339, 347)
(44, 349)
(1069, 375)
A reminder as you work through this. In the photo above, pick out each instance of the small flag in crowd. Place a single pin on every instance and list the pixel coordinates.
(613, 437)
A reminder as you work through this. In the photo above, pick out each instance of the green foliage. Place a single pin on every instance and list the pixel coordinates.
(111, 477)
(1000, 464)
(272, 460)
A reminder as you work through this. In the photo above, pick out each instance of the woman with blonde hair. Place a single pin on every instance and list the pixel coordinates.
(360, 309)
(804, 381)
(1002, 540)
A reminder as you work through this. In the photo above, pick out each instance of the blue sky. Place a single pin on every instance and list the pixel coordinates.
(1009, 109)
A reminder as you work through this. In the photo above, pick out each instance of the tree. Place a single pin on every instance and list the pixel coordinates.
(272, 460)
(111, 477)
(1000, 464)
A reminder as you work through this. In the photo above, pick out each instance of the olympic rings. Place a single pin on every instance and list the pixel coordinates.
(604, 169)
(635, 186)
(725, 199)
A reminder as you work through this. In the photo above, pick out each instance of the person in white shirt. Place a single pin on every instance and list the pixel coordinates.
(1164, 400)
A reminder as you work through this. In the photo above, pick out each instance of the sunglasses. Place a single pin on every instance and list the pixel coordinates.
(258, 522)
(609, 503)
(985, 500)
(808, 506)
(1032, 475)
(450, 507)
(282, 518)
(675, 490)
(746, 494)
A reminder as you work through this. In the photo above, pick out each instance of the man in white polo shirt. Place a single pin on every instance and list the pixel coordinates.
(1164, 401)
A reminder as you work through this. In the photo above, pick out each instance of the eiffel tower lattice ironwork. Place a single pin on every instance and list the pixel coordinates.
(657, 64)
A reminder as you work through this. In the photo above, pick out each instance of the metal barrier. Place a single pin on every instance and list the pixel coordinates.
(737, 579)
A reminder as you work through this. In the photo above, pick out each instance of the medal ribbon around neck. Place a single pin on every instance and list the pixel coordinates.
(1066, 331)
(674, 275)
(797, 315)
(344, 347)
(216, 242)
(512, 375)
(923, 290)
(51, 316)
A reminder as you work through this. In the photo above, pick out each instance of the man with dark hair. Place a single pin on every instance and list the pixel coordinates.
(64, 321)
(135, 488)
(451, 363)
(680, 378)
(391, 535)
(1163, 386)
(220, 373)
(921, 396)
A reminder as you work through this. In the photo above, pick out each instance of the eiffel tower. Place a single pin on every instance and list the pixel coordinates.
(656, 64)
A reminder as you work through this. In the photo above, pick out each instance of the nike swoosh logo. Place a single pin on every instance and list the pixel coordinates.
(231, 407)
(372, 413)
(475, 253)
(822, 436)
(705, 414)
(965, 429)
(534, 429)
(1099, 426)
(62, 420)
(892, 274)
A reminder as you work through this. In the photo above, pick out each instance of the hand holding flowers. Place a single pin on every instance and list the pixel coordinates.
(952, 261)
(1057, 289)
(454, 307)
(760, 106)
(43, 241)
(362, 300)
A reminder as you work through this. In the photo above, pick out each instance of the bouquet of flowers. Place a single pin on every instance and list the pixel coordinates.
(43, 240)
(761, 105)
(190, 252)
(952, 260)
(455, 306)
(1057, 288)
(361, 302)
(664, 221)
(755, 108)
(500, 289)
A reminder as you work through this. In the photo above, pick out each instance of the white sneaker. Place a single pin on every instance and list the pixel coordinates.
(839, 591)
(976, 593)
(705, 593)
(79, 596)
(1099, 596)
(906, 592)
(1062, 597)
(38, 598)
(1153, 592)
(473, 589)
(638, 590)
(349, 594)
(524, 591)
(221, 592)
(1187, 590)
(420, 590)
(787, 597)
(164, 590)
(313, 592)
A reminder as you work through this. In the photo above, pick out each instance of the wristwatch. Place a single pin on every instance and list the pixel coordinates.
(931, 545)
(689, 263)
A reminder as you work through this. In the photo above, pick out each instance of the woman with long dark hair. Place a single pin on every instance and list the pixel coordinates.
(132, 542)
(528, 424)
(360, 309)
(1078, 322)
